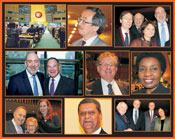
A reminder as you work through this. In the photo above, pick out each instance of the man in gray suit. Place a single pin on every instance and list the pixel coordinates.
(90, 24)
(150, 117)
(15, 125)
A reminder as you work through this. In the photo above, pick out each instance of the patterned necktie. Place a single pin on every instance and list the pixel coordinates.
(52, 87)
(110, 91)
(163, 35)
(83, 43)
(126, 42)
(136, 116)
(35, 88)
(124, 118)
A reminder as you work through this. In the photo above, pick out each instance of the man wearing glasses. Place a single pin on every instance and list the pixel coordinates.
(123, 35)
(90, 24)
(107, 66)
(28, 82)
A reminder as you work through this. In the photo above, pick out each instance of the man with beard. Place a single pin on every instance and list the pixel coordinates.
(90, 24)
(16, 124)
(90, 116)
(28, 82)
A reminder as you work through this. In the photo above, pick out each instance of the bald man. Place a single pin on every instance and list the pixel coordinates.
(28, 82)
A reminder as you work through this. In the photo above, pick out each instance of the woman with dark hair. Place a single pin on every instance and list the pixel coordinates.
(150, 68)
(163, 121)
(48, 121)
(147, 32)
(12, 36)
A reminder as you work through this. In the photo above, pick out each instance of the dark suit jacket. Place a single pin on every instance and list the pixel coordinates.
(19, 84)
(96, 88)
(118, 37)
(10, 128)
(156, 36)
(140, 125)
(135, 31)
(121, 125)
(65, 86)
(102, 131)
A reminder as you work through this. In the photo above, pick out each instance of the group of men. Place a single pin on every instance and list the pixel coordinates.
(32, 82)
(92, 22)
(134, 119)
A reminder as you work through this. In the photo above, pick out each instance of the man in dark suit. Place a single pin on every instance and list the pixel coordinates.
(123, 35)
(90, 24)
(107, 66)
(136, 117)
(28, 82)
(162, 33)
(57, 84)
(150, 117)
(121, 121)
(90, 116)
(138, 21)
(16, 124)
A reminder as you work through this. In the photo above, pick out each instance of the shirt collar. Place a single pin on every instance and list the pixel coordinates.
(90, 40)
(97, 131)
(29, 74)
(56, 78)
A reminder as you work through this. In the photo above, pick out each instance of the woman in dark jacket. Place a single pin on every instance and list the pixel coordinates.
(12, 36)
(147, 31)
(48, 121)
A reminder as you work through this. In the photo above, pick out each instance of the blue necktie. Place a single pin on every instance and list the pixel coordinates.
(126, 42)
(35, 88)
(163, 36)
(52, 87)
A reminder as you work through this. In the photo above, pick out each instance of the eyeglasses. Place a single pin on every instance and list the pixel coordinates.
(105, 65)
(83, 21)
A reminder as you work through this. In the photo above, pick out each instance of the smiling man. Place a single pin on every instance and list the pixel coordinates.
(90, 116)
(91, 23)
(107, 66)
(57, 84)
(16, 124)
(28, 82)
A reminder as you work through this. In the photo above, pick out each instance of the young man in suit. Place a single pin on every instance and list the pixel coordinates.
(123, 35)
(136, 117)
(162, 33)
(28, 82)
(90, 116)
(16, 124)
(150, 117)
(121, 121)
(107, 66)
(57, 84)
(90, 24)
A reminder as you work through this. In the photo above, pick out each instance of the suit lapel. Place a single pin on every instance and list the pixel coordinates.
(46, 86)
(60, 87)
(95, 41)
(98, 87)
(27, 83)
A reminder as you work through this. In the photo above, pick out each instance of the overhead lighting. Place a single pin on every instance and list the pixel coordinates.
(68, 16)
(73, 31)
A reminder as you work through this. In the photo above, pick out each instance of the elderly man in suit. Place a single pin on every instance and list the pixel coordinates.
(121, 121)
(16, 124)
(150, 117)
(57, 84)
(162, 33)
(90, 116)
(28, 82)
(138, 21)
(123, 35)
(107, 66)
(136, 117)
(90, 24)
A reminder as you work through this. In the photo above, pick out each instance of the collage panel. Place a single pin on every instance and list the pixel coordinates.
(151, 73)
(89, 116)
(150, 115)
(33, 116)
(107, 73)
(35, 25)
(143, 25)
(44, 73)
(89, 25)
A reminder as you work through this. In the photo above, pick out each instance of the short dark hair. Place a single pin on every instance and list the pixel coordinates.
(54, 59)
(98, 19)
(124, 13)
(90, 100)
(164, 109)
(145, 24)
(158, 56)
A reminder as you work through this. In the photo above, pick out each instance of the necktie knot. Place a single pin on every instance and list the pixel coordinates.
(110, 90)
(83, 43)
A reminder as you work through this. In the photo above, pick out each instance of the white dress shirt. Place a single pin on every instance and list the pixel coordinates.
(56, 81)
(133, 115)
(124, 35)
(18, 128)
(97, 131)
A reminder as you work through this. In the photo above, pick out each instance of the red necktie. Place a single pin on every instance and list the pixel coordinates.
(151, 116)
